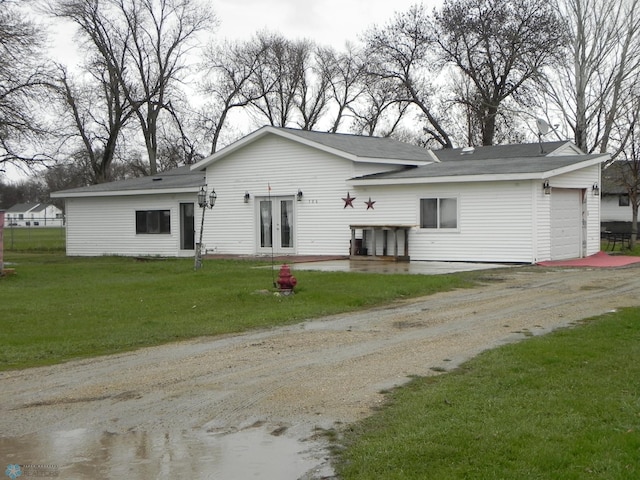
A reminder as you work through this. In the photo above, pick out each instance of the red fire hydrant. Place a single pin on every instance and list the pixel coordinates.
(286, 281)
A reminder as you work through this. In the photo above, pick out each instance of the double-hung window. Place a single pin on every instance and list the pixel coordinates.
(153, 221)
(439, 213)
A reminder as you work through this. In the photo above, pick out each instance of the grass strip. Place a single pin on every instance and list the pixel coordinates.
(560, 406)
(57, 308)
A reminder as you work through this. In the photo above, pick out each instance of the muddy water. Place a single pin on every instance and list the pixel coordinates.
(84, 454)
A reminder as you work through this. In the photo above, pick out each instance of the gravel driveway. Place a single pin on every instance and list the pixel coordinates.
(285, 381)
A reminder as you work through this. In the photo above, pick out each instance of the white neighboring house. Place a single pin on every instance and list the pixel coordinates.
(292, 192)
(34, 215)
(616, 208)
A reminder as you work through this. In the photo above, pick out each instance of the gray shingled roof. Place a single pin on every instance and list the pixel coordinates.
(364, 146)
(21, 207)
(177, 178)
(491, 166)
(499, 151)
(389, 148)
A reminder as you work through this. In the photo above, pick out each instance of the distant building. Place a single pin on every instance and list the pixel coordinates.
(34, 215)
(616, 211)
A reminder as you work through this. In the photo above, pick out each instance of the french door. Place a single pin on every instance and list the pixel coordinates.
(276, 226)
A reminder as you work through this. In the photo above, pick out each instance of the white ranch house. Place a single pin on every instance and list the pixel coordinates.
(292, 192)
(34, 215)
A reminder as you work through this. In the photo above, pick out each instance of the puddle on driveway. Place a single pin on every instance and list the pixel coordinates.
(83, 454)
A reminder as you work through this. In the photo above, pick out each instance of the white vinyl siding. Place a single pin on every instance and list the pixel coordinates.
(321, 223)
(495, 220)
(613, 212)
(107, 226)
(495, 224)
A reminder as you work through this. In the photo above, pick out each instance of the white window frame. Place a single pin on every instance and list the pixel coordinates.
(438, 227)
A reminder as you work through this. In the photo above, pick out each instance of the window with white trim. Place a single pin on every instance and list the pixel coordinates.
(439, 213)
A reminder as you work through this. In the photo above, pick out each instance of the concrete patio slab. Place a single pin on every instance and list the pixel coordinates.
(410, 268)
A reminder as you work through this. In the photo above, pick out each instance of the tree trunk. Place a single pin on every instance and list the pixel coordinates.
(489, 125)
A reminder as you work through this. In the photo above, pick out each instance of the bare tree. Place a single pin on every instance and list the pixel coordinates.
(277, 78)
(178, 143)
(625, 170)
(379, 111)
(22, 85)
(593, 89)
(98, 112)
(314, 92)
(500, 45)
(161, 32)
(147, 42)
(287, 83)
(400, 55)
(229, 69)
(345, 73)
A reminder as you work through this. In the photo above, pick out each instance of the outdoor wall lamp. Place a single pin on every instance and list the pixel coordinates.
(596, 189)
(546, 187)
(202, 198)
(299, 195)
(204, 202)
(247, 196)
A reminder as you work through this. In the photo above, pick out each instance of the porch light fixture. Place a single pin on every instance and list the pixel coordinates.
(202, 198)
(546, 187)
(596, 189)
(299, 195)
(247, 196)
(204, 202)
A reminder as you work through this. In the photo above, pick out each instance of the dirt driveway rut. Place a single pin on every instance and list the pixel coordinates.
(314, 374)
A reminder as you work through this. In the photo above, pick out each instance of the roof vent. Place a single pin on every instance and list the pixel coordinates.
(467, 150)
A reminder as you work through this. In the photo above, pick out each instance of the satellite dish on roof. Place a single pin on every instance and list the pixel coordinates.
(543, 129)
(543, 126)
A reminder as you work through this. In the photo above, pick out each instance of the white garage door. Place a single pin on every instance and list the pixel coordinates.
(566, 221)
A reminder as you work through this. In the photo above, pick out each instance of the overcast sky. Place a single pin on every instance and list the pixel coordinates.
(328, 22)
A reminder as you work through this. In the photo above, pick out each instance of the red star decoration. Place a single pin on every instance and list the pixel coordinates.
(348, 202)
(370, 204)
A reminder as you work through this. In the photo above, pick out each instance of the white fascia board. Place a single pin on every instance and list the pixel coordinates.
(442, 179)
(479, 178)
(385, 161)
(126, 193)
(572, 168)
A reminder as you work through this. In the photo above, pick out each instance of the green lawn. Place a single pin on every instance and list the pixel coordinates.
(561, 406)
(34, 239)
(56, 308)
